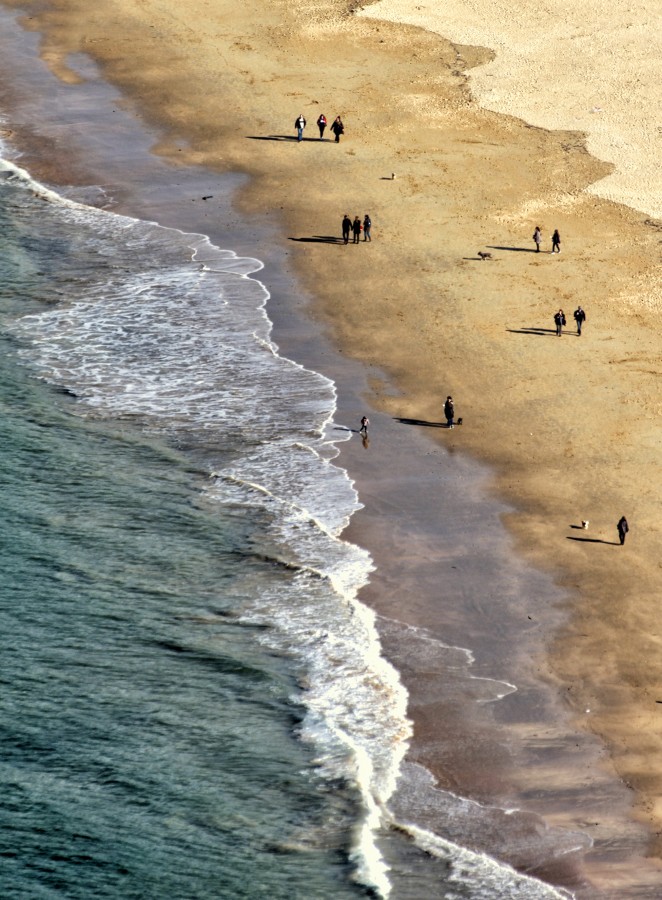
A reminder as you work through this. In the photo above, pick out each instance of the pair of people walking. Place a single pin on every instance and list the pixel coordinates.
(355, 228)
(556, 240)
(559, 320)
(337, 127)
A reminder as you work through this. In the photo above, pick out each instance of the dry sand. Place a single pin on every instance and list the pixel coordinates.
(569, 425)
(594, 67)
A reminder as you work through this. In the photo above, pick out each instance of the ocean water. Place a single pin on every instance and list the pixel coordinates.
(194, 702)
(174, 594)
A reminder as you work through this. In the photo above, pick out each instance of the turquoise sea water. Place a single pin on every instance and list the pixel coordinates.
(150, 739)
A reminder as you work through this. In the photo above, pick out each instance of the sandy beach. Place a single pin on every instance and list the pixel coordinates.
(555, 430)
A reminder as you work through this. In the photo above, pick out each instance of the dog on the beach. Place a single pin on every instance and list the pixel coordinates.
(584, 524)
(482, 255)
(459, 421)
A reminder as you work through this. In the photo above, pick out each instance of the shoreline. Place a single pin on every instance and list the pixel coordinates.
(353, 336)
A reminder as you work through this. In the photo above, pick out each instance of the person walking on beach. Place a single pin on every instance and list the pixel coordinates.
(556, 242)
(559, 321)
(537, 238)
(356, 228)
(623, 529)
(321, 124)
(449, 412)
(580, 317)
(300, 124)
(367, 225)
(365, 421)
(338, 128)
(346, 228)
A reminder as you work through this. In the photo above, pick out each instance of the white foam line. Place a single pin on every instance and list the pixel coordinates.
(489, 868)
(375, 786)
(423, 634)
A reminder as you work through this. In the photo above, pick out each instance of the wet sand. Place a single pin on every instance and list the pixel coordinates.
(567, 426)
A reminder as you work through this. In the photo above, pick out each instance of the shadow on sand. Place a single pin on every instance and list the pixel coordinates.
(515, 249)
(283, 137)
(541, 332)
(320, 239)
(420, 422)
(571, 537)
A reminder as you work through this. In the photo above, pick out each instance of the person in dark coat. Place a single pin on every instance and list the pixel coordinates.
(321, 124)
(367, 225)
(338, 128)
(623, 529)
(559, 321)
(556, 242)
(346, 228)
(580, 318)
(356, 228)
(449, 412)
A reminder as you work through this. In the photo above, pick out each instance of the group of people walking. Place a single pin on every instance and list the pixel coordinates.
(559, 320)
(337, 126)
(356, 227)
(556, 240)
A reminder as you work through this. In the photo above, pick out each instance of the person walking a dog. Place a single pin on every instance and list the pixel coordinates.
(559, 321)
(449, 412)
(623, 529)
(580, 317)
